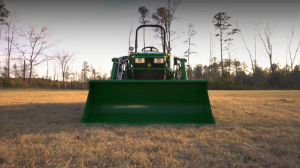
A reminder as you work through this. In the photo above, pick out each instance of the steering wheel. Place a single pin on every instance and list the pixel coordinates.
(151, 48)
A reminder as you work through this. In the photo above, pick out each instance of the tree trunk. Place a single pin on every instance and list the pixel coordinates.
(8, 58)
(24, 73)
(8, 68)
(273, 73)
(162, 40)
(47, 74)
(30, 73)
(221, 52)
(64, 80)
(189, 51)
(169, 34)
(144, 36)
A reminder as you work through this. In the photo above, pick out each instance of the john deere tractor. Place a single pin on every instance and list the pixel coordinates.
(143, 89)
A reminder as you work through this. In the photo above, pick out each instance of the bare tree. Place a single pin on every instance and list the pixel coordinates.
(76, 75)
(48, 58)
(255, 53)
(191, 33)
(54, 70)
(265, 33)
(24, 68)
(241, 35)
(159, 17)
(292, 58)
(64, 60)
(172, 7)
(129, 36)
(228, 62)
(221, 21)
(211, 54)
(143, 18)
(211, 51)
(36, 42)
(164, 17)
(10, 31)
(286, 56)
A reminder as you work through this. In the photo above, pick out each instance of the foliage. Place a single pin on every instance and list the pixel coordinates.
(84, 71)
(237, 77)
(144, 12)
(3, 11)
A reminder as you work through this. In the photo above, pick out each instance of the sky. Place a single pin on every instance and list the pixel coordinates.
(98, 30)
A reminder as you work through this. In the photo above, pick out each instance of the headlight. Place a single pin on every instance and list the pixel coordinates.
(139, 60)
(158, 60)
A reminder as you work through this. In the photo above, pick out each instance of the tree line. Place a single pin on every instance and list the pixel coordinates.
(236, 76)
(226, 73)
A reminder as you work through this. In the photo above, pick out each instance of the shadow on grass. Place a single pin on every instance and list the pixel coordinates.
(36, 118)
(39, 118)
(49, 118)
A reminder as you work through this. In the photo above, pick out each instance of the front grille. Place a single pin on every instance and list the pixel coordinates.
(149, 60)
(149, 74)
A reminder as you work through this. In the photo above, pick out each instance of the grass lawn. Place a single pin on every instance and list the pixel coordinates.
(40, 128)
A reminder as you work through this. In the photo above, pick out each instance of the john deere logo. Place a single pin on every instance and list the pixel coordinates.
(149, 65)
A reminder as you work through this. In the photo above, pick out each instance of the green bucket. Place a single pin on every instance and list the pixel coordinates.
(143, 102)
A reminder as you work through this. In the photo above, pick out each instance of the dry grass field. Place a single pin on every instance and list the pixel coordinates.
(40, 128)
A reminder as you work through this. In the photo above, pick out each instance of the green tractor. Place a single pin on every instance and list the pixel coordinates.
(143, 90)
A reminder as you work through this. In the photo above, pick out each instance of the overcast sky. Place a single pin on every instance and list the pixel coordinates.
(98, 30)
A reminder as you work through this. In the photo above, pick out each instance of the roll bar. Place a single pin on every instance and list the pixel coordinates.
(136, 35)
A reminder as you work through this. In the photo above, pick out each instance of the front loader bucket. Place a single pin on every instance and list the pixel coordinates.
(142, 102)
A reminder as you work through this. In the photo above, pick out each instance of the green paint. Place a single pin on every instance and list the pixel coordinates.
(114, 68)
(142, 102)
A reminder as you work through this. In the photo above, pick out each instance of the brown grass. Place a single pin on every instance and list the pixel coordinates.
(39, 128)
